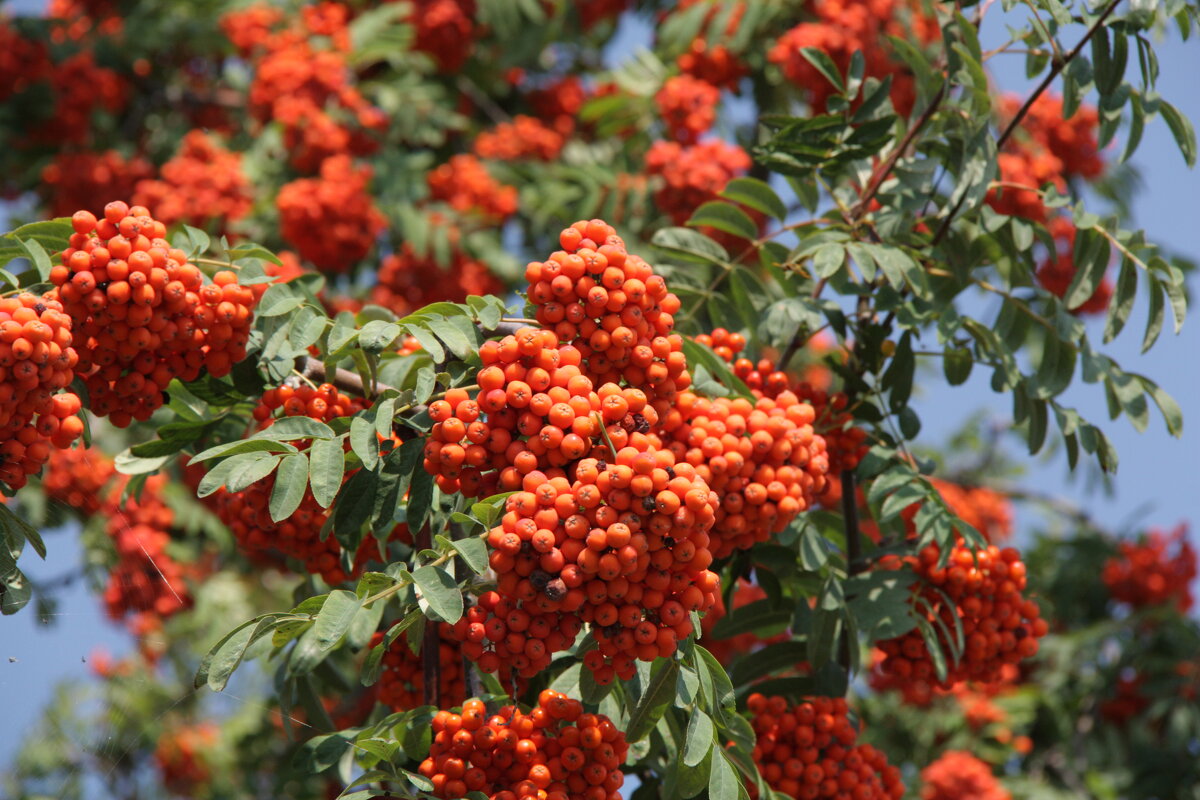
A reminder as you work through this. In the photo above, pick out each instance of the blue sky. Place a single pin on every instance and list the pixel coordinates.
(1157, 483)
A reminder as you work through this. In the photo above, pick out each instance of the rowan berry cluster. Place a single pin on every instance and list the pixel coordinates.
(1072, 141)
(688, 107)
(142, 314)
(725, 344)
(810, 750)
(845, 442)
(75, 20)
(1128, 700)
(247, 513)
(76, 477)
(844, 27)
(981, 591)
(762, 458)
(465, 185)
(202, 185)
(82, 180)
(613, 308)
(182, 757)
(249, 29)
(1024, 170)
(445, 30)
(974, 697)
(692, 176)
(23, 61)
(559, 102)
(303, 82)
(525, 138)
(36, 362)
(498, 634)
(555, 752)
(331, 220)
(1148, 573)
(714, 63)
(402, 681)
(1058, 270)
(957, 774)
(146, 582)
(406, 281)
(593, 12)
(80, 88)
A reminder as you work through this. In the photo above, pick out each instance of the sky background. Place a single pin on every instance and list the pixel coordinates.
(1157, 484)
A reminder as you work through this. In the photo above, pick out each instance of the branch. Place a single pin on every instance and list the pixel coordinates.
(431, 646)
(1055, 69)
(314, 369)
(882, 172)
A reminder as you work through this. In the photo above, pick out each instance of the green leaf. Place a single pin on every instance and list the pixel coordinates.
(654, 701)
(1182, 130)
(813, 553)
(250, 469)
(363, 440)
(691, 246)
(725, 217)
(758, 616)
(240, 447)
(440, 593)
(289, 428)
(335, 618)
(756, 194)
(291, 480)
(956, 365)
(37, 257)
(474, 553)
(825, 65)
(723, 782)
(326, 467)
(1170, 410)
(772, 658)
(1090, 255)
(279, 299)
(229, 653)
(699, 738)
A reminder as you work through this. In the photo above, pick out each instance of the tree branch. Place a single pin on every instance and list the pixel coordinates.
(431, 645)
(1055, 70)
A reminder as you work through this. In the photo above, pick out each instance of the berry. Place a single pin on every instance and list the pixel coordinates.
(247, 512)
(203, 184)
(1146, 573)
(331, 220)
(810, 750)
(612, 307)
(146, 584)
(142, 315)
(37, 359)
(762, 458)
(182, 757)
(523, 138)
(86, 180)
(76, 478)
(979, 591)
(957, 774)
(464, 183)
(688, 107)
(555, 752)
(402, 681)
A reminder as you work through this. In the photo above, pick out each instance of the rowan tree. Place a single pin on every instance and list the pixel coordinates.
(517, 411)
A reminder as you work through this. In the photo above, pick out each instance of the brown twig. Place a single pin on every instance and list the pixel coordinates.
(882, 172)
(431, 665)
